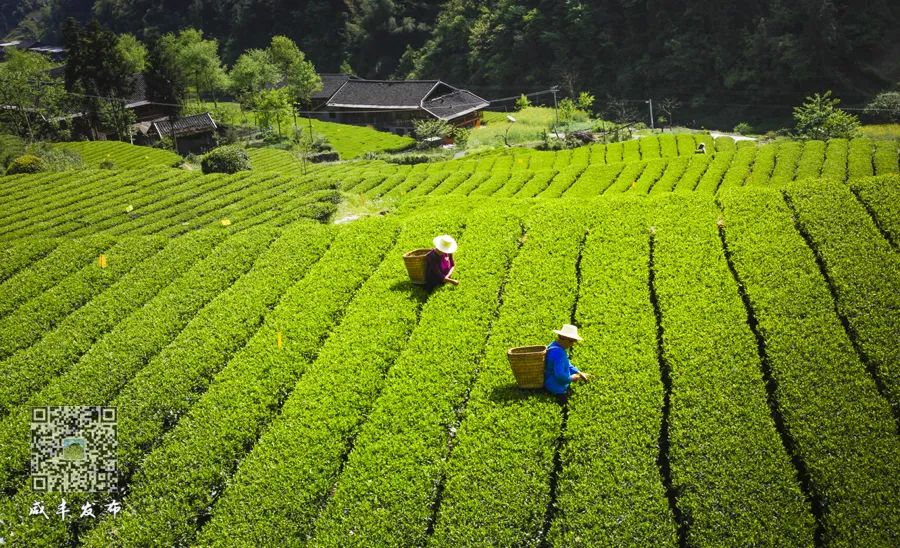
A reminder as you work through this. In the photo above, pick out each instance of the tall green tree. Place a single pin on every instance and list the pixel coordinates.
(378, 32)
(35, 102)
(295, 70)
(165, 78)
(96, 71)
(253, 72)
(199, 59)
(133, 51)
(274, 107)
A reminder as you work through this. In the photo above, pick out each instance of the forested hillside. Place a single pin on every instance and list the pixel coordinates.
(724, 54)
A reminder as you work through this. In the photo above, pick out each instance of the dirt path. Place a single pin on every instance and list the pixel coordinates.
(734, 136)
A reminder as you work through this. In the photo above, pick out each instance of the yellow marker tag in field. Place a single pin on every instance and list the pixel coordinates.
(278, 339)
(129, 209)
(102, 261)
(226, 222)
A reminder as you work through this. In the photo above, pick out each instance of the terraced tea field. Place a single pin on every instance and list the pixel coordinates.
(279, 381)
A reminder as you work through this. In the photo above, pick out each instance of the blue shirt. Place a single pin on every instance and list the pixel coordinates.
(558, 370)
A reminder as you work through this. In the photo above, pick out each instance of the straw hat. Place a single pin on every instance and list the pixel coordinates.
(568, 331)
(445, 243)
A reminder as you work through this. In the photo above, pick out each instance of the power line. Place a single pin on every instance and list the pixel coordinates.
(763, 105)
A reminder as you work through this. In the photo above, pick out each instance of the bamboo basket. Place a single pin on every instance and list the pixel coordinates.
(527, 364)
(416, 264)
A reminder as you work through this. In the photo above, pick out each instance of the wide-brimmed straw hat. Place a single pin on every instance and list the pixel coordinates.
(568, 331)
(445, 243)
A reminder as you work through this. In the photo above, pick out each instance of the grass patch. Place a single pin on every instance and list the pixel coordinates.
(529, 126)
(881, 131)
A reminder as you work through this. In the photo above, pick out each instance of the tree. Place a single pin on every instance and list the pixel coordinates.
(199, 59)
(668, 106)
(885, 107)
(274, 107)
(96, 71)
(113, 114)
(522, 102)
(571, 110)
(165, 78)
(819, 118)
(377, 32)
(296, 72)
(133, 51)
(621, 111)
(585, 101)
(35, 102)
(253, 72)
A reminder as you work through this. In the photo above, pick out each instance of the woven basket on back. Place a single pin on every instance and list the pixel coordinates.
(415, 265)
(528, 365)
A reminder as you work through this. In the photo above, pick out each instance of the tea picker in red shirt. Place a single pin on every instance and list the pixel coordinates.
(558, 370)
(439, 262)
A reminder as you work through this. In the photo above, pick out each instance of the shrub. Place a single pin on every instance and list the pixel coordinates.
(522, 102)
(427, 130)
(819, 118)
(227, 159)
(326, 156)
(107, 164)
(460, 136)
(743, 128)
(27, 163)
(585, 101)
(407, 159)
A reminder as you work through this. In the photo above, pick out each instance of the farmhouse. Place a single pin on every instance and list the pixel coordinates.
(393, 105)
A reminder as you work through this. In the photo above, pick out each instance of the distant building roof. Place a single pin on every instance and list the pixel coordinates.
(48, 49)
(438, 98)
(387, 94)
(330, 84)
(188, 125)
(454, 104)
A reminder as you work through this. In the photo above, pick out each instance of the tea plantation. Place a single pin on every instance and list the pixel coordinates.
(279, 381)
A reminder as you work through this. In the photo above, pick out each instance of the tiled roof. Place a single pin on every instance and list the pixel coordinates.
(330, 84)
(454, 104)
(189, 125)
(394, 94)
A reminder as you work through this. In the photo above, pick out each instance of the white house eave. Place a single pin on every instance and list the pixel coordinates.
(424, 97)
(460, 113)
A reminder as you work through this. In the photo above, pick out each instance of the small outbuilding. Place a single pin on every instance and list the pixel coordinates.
(193, 134)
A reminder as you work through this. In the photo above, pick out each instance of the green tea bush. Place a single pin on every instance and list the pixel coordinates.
(227, 159)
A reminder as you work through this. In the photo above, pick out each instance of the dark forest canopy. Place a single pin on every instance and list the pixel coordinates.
(702, 53)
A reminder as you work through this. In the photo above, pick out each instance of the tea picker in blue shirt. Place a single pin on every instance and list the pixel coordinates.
(558, 370)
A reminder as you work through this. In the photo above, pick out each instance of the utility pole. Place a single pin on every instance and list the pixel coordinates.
(554, 89)
(650, 101)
